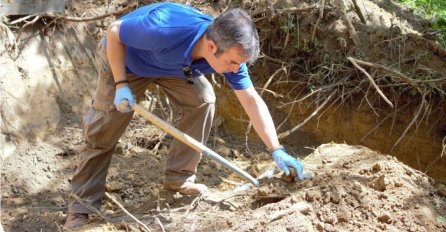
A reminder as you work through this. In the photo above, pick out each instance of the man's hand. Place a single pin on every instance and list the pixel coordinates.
(122, 94)
(283, 160)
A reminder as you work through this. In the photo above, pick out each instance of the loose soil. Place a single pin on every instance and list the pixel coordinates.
(47, 84)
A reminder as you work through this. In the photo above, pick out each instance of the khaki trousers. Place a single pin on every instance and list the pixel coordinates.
(104, 125)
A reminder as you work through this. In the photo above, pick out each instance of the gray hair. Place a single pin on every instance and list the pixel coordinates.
(235, 28)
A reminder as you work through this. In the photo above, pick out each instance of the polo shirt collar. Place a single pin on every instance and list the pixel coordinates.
(200, 32)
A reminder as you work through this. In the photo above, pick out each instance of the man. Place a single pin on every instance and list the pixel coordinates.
(173, 46)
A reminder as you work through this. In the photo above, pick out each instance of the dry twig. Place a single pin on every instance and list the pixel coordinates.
(321, 15)
(359, 11)
(351, 28)
(127, 212)
(395, 73)
(371, 81)
(160, 224)
(287, 133)
(90, 207)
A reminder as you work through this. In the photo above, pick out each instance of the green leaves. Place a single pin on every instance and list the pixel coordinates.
(434, 10)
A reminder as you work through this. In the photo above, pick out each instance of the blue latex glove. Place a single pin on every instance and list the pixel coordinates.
(121, 94)
(283, 160)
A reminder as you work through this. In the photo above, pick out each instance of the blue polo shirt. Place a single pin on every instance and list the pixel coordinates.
(159, 39)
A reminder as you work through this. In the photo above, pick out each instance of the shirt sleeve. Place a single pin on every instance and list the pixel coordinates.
(142, 32)
(240, 80)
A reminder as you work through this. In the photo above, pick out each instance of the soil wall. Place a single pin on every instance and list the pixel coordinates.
(355, 123)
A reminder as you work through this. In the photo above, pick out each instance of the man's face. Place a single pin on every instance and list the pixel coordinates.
(228, 61)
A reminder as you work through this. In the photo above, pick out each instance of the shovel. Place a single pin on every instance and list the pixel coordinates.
(191, 142)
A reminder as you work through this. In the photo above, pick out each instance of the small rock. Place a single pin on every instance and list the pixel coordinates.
(329, 228)
(385, 218)
(330, 218)
(376, 168)
(326, 198)
(320, 226)
(119, 149)
(312, 196)
(399, 184)
(293, 199)
(380, 183)
(309, 184)
(114, 186)
(382, 226)
(344, 215)
(357, 186)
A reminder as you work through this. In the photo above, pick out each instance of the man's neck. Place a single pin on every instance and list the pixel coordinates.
(198, 48)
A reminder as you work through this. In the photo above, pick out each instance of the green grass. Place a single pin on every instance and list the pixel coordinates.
(434, 10)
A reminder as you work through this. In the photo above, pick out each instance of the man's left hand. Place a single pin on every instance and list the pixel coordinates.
(284, 161)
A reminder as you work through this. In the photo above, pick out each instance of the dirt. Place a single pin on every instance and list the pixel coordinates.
(48, 82)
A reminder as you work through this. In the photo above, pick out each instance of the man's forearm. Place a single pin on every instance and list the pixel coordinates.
(260, 117)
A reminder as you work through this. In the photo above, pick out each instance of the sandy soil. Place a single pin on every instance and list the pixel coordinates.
(353, 188)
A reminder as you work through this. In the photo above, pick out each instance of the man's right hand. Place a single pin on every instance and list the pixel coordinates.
(124, 94)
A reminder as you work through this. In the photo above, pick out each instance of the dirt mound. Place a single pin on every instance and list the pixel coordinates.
(354, 189)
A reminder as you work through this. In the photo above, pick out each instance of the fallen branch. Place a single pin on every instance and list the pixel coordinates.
(127, 212)
(160, 224)
(90, 207)
(359, 11)
(287, 133)
(321, 15)
(351, 28)
(353, 61)
(395, 73)
(191, 205)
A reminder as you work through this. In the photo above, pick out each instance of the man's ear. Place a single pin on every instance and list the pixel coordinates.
(211, 47)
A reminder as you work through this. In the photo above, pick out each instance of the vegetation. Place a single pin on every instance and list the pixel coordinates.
(435, 10)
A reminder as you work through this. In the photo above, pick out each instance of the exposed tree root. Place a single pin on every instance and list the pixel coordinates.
(371, 81)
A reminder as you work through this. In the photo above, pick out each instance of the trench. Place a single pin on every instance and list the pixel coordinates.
(353, 123)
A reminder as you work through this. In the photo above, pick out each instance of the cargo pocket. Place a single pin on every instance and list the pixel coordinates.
(105, 93)
(204, 89)
(94, 127)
